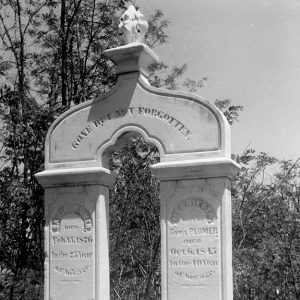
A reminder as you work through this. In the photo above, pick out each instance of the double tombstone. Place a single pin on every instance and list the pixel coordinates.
(195, 173)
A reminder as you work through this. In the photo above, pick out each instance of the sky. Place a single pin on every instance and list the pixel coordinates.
(250, 52)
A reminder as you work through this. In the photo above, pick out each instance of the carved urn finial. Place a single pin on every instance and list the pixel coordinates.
(132, 27)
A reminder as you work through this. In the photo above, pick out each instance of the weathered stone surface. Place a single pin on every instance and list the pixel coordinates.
(196, 229)
(72, 247)
(181, 125)
(76, 233)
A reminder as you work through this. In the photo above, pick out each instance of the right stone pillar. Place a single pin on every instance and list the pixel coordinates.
(196, 239)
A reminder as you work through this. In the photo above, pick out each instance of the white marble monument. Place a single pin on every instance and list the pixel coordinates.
(193, 138)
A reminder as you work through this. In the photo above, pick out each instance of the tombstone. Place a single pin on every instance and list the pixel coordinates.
(195, 172)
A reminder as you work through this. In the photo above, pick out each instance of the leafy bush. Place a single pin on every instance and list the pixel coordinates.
(134, 223)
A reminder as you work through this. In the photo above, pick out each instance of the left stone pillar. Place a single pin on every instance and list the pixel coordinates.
(76, 233)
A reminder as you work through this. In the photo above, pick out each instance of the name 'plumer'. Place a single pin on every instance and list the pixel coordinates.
(195, 173)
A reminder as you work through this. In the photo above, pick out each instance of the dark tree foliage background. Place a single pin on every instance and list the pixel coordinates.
(52, 58)
(134, 223)
(266, 229)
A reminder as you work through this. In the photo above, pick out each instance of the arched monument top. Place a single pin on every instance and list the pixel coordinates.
(183, 126)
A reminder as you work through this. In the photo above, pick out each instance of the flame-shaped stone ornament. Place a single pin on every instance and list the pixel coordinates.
(132, 27)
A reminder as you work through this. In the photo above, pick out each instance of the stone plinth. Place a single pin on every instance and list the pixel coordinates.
(196, 229)
(76, 233)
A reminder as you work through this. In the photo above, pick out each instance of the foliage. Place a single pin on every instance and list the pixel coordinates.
(21, 205)
(156, 34)
(231, 112)
(162, 75)
(6, 281)
(134, 223)
(71, 67)
(266, 229)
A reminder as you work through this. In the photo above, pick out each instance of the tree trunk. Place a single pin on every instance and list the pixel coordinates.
(63, 54)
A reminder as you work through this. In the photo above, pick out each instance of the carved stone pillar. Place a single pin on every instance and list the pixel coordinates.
(196, 229)
(76, 233)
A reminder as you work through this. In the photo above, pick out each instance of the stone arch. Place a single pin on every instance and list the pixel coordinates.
(185, 126)
(119, 138)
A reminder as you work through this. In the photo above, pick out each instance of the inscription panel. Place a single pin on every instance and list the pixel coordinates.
(131, 111)
(79, 134)
(193, 251)
(71, 253)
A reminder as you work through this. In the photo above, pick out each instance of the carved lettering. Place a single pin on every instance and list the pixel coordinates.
(187, 276)
(180, 263)
(131, 109)
(82, 135)
(192, 203)
(121, 112)
(205, 262)
(70, 281)
(166, 118)
(140, 111)
(72, 250)
(72, 240)
(99, 122)
(193, 251)
(71, 227)
(193, 231)
(203, 230)
(72, 255)
(71, 272)
(193, 243)
(72, 208)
